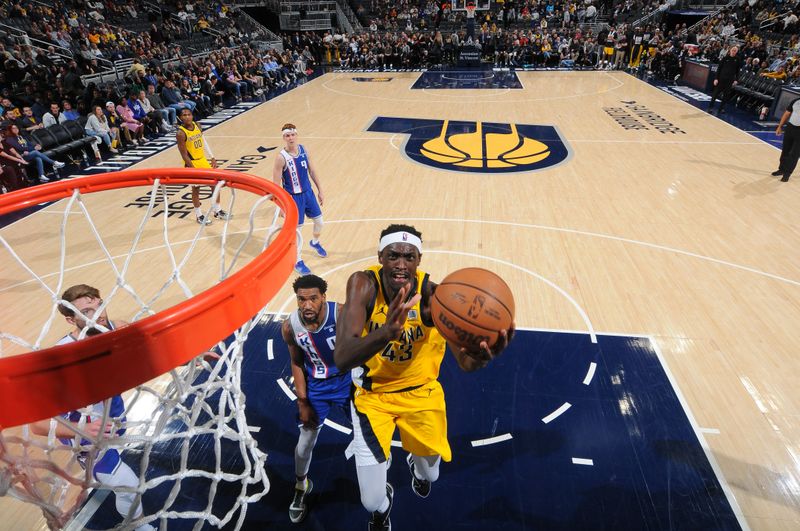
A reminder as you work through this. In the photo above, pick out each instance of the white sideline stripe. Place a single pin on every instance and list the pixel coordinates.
(270, 354)
(582, 461)
(706, 449)
(337, 427)
(712, 431)
(491, 440)
(285, 388)
(397, 444)
(590, 373)
(254, 429)
(557, 413)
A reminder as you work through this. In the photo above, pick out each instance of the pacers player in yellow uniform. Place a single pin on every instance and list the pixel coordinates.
(193, 152)
(385, 334)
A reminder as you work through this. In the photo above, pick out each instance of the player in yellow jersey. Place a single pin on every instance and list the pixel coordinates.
(193, 149)
(385, 334)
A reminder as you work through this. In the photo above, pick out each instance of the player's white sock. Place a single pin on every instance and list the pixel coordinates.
(217, 207)
(198, 212)
(301, 485)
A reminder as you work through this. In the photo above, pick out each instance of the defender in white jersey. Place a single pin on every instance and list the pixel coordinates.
(108, 469)
(310, 335)
(294, 172)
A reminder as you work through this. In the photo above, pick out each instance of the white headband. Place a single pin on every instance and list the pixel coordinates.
(400, 237)
(287, 131)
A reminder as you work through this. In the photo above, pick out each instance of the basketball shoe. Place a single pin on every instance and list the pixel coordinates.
(221, 214)
(318, 247)
(421, 487)
(380, 521)
(202, 220)
(301, 268)
(298, 508)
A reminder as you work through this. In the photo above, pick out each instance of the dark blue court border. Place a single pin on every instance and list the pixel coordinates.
(649, 469)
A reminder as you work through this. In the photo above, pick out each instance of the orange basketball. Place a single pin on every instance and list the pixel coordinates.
(472, 305)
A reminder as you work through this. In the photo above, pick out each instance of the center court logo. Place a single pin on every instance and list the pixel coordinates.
(477, 147)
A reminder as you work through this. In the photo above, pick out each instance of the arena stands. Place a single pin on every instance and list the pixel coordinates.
(83, 55)
(91, 53)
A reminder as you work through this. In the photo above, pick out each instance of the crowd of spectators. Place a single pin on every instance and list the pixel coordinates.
(765, 31)
(551, 33)
(381, 15)
(42, 88)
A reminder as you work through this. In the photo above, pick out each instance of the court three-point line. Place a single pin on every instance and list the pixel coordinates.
(491, 440)
(285, 388)
(557, 413)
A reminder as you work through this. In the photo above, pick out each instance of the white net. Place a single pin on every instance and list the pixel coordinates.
(178, 446)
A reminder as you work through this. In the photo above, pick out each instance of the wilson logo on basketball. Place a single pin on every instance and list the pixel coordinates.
(464, 337)
(479, 147)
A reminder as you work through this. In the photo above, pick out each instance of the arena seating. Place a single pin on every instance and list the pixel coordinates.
(757, 91)
(409, 35)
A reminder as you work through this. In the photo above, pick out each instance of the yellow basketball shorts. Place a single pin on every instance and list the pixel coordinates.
(419, 416)
(201, 163)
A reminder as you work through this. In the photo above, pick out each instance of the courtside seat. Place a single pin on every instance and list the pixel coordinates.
(78, 133)
(65, 142)
(48, 141)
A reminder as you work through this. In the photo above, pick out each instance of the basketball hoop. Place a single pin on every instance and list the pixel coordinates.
(199, 399)
(165, 340)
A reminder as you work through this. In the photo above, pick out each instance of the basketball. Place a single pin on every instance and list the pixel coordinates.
(472, 305)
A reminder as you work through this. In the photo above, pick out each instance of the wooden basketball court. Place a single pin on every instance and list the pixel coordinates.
(658, 220)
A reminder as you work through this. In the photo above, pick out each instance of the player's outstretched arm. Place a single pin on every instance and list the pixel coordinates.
(353, 350)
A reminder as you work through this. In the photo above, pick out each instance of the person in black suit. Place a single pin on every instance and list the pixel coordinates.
(727, 75)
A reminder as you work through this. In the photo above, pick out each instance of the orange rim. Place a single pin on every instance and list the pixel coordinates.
(52, 381)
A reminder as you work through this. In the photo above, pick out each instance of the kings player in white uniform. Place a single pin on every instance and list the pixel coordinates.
(294, 172)
(310, 335)
(108, 469)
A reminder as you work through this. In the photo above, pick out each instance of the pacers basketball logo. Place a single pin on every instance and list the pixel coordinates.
(480, 147)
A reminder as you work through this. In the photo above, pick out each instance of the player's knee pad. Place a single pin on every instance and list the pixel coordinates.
(317, 224)
(427, 467)
(306, 441)
(372, 484)
(373, 499)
